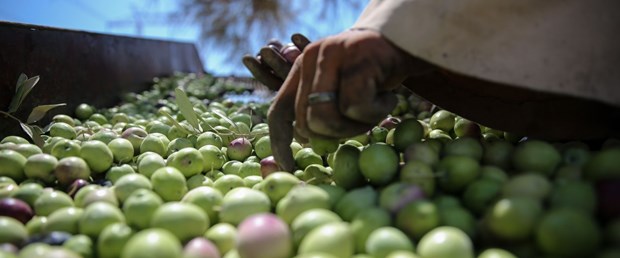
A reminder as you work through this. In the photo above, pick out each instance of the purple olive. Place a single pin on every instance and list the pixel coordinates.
(239, 149)
(76, 186)
(275, 44)
(389, 122)
(9, 248)
(201, 247)
(15, 208)
(268, 165)
(396, 196)
(264, 235)
(290, 52)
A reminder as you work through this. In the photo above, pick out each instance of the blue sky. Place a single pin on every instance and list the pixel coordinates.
(121, 17)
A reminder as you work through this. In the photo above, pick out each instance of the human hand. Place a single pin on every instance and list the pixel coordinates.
(338, 87)
(273, 62)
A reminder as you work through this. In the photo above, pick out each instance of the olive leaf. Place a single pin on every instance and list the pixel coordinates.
(26, 129)
(34, 132)
(221, 114)
(39, 112)
(176, 124)
(20, 80)
(202, 121)
(186, 108)
(22, 89)
(48, 126)
(36, 136)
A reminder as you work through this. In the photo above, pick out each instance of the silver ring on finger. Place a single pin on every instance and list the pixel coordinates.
(321, 97)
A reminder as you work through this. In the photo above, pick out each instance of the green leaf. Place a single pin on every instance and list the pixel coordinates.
(34, 132)
(209, 127)
(186, 108)
(221, 114)
(29, 85)
(18, 95)
(20, 81)
(48, 126)
(26, 129)
(21, 92)
(176, 124)
(39, 112)
(202, 121)
(36, 135)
